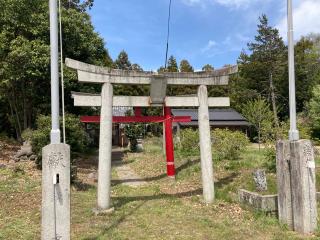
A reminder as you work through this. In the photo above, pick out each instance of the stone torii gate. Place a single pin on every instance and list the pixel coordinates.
(95, 74)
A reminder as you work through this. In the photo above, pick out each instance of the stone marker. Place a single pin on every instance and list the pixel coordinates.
(284, 183)
(303, 187)
(296, 183)
(25, 150)
(55, 192)
(259, 177)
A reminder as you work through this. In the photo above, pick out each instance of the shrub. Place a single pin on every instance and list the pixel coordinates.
(270, 157)
(188, 143)
(76, 137)
(133, 132)
(228, 144)
(27, 135)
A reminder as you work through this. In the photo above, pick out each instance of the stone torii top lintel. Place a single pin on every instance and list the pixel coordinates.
(97, 74)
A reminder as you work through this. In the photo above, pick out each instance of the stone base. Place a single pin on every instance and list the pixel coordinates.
(261, 202)
(102, 212)
(265, 203)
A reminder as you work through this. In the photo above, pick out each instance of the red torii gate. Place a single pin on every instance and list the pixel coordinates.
(167, 119)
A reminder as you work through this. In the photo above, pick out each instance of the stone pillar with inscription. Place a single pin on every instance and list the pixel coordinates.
(56, 192)
(297, 185)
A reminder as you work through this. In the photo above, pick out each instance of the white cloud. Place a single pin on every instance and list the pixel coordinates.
(192, 2)
(227, 3)
(235, 3)
(233, 43)
(209, 47)
(306, 19)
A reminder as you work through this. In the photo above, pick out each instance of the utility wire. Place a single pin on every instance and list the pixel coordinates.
(62, 76)
(168, 35)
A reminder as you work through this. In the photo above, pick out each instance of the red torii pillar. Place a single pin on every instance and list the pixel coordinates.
(168, 119)
(168, 139)
(169, 142)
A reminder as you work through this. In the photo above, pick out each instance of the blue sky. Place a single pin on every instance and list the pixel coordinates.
(202, 31)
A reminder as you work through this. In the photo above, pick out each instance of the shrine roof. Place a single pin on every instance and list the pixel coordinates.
(217, 117)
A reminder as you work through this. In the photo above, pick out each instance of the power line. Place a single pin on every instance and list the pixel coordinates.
(168, 35)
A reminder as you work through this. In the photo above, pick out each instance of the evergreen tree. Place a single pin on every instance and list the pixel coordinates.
(172, 65)
(263, 70)
(306, 69)
(136, 67)
(207, 68)
(185, 66)
(161, 69)
(122, 62)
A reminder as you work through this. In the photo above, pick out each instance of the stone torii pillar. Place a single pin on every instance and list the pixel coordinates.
(205, 145)
(94, 74)
(105, 148)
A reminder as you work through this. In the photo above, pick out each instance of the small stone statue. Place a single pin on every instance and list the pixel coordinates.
(259, 177)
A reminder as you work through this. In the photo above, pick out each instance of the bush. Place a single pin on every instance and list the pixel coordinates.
(270, 157)
(27, 135)
(188, 143)
(133, 132)
(76, 137)
(228, 144)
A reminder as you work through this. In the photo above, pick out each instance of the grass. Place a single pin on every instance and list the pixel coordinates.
(161, 209)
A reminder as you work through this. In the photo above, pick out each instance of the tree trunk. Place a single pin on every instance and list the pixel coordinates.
(18, 133)
(15, 109)
(259, 135)
(25, 116)
(273, 101)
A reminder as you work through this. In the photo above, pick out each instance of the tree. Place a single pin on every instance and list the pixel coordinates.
(24, 56)
(122, 62)
(185, 66)
(78, 5)
(136, 67)
(207, 68)
(172, 65)
(161, 69)
(264, 68)
(314, 111)
(305, 68)
(258, 113)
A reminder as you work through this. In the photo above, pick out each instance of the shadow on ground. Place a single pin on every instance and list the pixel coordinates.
(141, 200)
(183, 166)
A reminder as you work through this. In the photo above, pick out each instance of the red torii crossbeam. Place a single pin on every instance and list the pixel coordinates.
(167, 119)
(135, 119)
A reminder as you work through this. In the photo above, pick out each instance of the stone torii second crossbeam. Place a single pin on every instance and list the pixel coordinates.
(95, 74)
